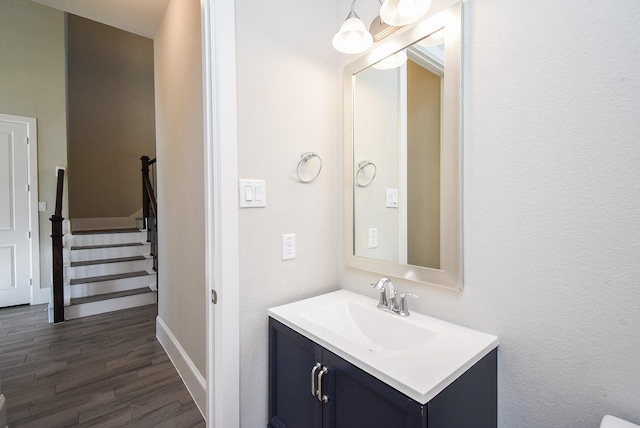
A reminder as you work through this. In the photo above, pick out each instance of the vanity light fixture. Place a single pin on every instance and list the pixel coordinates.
(353, 37)
(403, 12)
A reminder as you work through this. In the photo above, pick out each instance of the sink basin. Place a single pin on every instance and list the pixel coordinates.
(379, 332)
(417, 355)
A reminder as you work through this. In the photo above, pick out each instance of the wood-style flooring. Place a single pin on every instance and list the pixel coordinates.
(106, 370)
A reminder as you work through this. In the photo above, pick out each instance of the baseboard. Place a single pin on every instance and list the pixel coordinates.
(193, 380)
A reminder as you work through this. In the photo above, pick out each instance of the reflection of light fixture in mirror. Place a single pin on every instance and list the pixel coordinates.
(353, 36)
(403, 12)
(433, 39)
(392, 61)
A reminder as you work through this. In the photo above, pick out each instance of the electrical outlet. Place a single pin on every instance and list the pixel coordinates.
(289, 246)
(373, 237)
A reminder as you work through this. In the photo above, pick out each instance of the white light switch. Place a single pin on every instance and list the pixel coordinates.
(392, 198)
(252, 194)
(259, 193)
(42, 206)
(248, 193)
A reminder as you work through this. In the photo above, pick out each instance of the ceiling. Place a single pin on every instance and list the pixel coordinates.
(141, 17)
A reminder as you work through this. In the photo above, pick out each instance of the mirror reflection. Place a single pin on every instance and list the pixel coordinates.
(403, 153)
(397, 137)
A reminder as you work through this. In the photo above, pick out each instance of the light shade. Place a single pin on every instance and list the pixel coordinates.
(403, 12)
(353, 36)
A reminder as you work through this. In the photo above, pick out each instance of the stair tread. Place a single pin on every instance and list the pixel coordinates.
(106, 261)
(108, 277)
(104, 231)
(107, 296)
(96, 247)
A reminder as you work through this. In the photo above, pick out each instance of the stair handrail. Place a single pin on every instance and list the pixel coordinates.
(57, 249)
(149, 204)
(148, 194)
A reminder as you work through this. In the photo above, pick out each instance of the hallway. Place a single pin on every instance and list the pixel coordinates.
(105, 370)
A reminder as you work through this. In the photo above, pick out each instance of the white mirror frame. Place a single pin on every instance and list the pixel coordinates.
(450, 273)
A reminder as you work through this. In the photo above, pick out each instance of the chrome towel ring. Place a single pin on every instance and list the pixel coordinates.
(361, 166)
(304, 158)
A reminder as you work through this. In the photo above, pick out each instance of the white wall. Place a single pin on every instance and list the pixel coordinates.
(287, 99)
(377, 101)
(180, 169)
(32, 83)
(551, 203)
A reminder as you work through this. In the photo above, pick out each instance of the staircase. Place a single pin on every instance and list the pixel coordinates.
(107, 270)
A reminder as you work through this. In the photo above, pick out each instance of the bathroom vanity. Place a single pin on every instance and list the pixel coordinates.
(337, 361)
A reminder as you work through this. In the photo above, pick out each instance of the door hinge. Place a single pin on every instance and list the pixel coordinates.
(214, 297)
(29, 234)
(27, 140)
(30, 281)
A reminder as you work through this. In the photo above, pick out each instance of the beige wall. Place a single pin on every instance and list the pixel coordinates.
(32, 83)
(423, 166)
(180, 154)
(287, 104)
(111, 118)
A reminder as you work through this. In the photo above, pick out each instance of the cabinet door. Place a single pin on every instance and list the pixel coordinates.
(357, 399)
(291, 360)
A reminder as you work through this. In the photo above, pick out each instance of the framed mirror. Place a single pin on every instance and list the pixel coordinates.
(402, 153)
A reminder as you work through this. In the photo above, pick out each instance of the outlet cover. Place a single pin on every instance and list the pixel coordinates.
(289, 246)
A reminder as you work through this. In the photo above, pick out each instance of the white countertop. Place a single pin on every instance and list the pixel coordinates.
(420, 367)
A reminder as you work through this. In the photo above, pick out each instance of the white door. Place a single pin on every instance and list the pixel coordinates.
(15, 218)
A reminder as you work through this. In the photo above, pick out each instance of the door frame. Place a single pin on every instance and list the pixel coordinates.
(221, 213)
(34, 223)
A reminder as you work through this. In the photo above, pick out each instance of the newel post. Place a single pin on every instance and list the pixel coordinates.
(57, 246)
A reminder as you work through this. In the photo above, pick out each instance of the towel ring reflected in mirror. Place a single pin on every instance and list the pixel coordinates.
(361, 172)
(304, 158)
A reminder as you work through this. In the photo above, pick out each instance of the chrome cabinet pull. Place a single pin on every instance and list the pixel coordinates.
(314, 392)
(319, 395)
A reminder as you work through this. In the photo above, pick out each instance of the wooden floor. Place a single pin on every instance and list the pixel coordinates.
(102, 371)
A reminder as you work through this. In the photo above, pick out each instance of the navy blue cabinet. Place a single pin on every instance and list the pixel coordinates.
(311, 387)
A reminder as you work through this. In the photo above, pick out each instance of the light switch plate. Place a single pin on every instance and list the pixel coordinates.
(392, 198)
(252, 193)
(289, 246)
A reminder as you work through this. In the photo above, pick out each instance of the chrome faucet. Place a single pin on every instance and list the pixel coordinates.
(390, 304)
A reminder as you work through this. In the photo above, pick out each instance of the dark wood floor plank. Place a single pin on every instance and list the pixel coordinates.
(157, 416)
(54, 419)
(117, 418)
(106, 370)
(160, 397)
(189, 418)
(124, 400)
